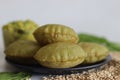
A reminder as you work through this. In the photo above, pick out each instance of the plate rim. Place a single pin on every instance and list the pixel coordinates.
(95, 65)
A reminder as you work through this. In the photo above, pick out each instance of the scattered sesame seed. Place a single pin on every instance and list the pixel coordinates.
(110, 71)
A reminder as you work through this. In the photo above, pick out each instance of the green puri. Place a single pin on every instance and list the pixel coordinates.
(95, 52)
(51, 33)
(60, 55)
(18, 30)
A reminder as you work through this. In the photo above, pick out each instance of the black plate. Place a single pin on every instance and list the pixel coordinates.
(46, 71)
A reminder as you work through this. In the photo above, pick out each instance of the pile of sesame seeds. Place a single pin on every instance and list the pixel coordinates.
(110, 71)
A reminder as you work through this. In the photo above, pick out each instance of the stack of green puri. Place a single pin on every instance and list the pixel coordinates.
(55, 46)
(20, 44)
(60, 48)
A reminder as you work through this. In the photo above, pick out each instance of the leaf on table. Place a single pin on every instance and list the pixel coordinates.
(14, 76)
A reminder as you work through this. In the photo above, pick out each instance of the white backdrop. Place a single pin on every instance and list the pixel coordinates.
(101, 17)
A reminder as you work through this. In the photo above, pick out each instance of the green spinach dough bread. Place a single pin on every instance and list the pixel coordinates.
(51, 33)
(60, 55)
(95, 52)
(18, 30)
(22, 51)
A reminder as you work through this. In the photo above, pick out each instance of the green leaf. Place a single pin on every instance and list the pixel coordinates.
(14, 76)
(112, 46)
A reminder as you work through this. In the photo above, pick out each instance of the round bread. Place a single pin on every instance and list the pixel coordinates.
(60, 55)
(22, 51)
(16, 30)
(95, 52)
(51, 33)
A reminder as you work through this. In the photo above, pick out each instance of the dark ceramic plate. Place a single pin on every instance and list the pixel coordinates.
(48, 71)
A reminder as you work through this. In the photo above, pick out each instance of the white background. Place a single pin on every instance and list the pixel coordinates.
(100, 17)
